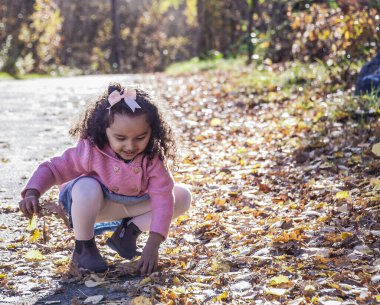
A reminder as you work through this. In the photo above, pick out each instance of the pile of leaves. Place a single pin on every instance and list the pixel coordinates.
(285, 208)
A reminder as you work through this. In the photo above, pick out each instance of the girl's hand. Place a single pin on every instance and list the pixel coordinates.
(29, 205)
(149, 257)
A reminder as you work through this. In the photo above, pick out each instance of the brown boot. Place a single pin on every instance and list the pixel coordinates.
(86, 255)
(124, 239)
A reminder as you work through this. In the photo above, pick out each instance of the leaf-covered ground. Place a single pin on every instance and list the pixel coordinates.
(286, 207)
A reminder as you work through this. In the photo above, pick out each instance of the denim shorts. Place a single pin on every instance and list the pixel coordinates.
(99, 228)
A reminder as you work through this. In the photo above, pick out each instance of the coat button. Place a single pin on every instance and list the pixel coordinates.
(116, 168)
(136, 170)
(134, 189)
(115, 189)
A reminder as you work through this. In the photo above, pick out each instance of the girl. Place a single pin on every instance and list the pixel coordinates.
(117, 171)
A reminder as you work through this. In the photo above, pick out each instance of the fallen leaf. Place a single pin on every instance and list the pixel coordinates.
(91, 283)
(140, 300)
(276, 291)
(35, 236)
(34, 255)
(216, 122)
(95, 299)
(376, 149)
(277, 280)
(342, 195)
(32, 224)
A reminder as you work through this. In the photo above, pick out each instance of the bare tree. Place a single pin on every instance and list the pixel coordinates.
(116, 48)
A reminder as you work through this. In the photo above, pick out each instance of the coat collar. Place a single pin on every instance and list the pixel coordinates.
(107, 151)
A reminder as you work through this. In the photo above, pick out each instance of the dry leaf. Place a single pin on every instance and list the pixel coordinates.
(141, 300)
(35, 236)
(91, 283)
(342, 195)
(95, 299)
(276, 291)
(34, 255)
(278, 280)
(376, 149)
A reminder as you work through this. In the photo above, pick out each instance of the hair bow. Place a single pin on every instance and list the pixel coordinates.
(129, 96)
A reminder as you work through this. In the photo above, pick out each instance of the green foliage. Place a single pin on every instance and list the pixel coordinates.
(197, 65)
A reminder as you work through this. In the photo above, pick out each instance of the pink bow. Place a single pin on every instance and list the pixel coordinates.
(129, 96)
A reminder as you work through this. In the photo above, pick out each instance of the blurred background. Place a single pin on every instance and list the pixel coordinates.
(67, 37)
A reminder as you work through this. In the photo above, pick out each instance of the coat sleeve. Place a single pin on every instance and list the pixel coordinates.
(73, 163)
(160, 190)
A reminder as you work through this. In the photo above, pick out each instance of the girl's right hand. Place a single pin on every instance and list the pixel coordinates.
(29, 205)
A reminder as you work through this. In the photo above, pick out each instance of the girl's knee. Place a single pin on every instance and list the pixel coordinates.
(182, 198)
(88, 188)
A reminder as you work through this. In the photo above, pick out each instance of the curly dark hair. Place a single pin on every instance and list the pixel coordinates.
(97, 118)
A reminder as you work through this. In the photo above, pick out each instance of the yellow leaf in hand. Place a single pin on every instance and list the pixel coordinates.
(35, 236)
(32, 224)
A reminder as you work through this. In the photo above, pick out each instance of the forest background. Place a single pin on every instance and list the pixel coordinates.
(61, 37)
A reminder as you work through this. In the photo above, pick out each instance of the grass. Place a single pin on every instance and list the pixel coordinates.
(197, 65)
(258, 76)
(7, 76)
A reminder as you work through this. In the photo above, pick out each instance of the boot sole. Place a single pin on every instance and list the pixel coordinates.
(75, 268)
(112, 245)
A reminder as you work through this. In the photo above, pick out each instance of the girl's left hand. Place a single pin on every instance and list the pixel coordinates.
(149, 257)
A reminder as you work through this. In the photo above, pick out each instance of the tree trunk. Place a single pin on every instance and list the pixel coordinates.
(201, 33)
(253, 6)
(117, 56)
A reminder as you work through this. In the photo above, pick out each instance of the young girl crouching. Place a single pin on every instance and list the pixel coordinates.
(115, 178)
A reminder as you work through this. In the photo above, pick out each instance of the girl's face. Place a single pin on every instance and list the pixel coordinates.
(128, 136)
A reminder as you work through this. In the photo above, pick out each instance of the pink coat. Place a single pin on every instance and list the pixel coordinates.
(139, 177)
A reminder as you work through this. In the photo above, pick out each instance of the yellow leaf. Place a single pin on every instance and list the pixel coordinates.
(342, 195)
(277, 280)
(145, 281)
(309, 289)
(216, 122)
(221, 297)
(32, 224)
(334, 285)
(61, 261)
(220, 267)
(140, 300)
(376, 149)
(276, 291)
(377, 298)
(176, 281)
(345, 235)
(220, 201)
(375, 183)
(34, 255)
(2, 276)
(35, 236)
